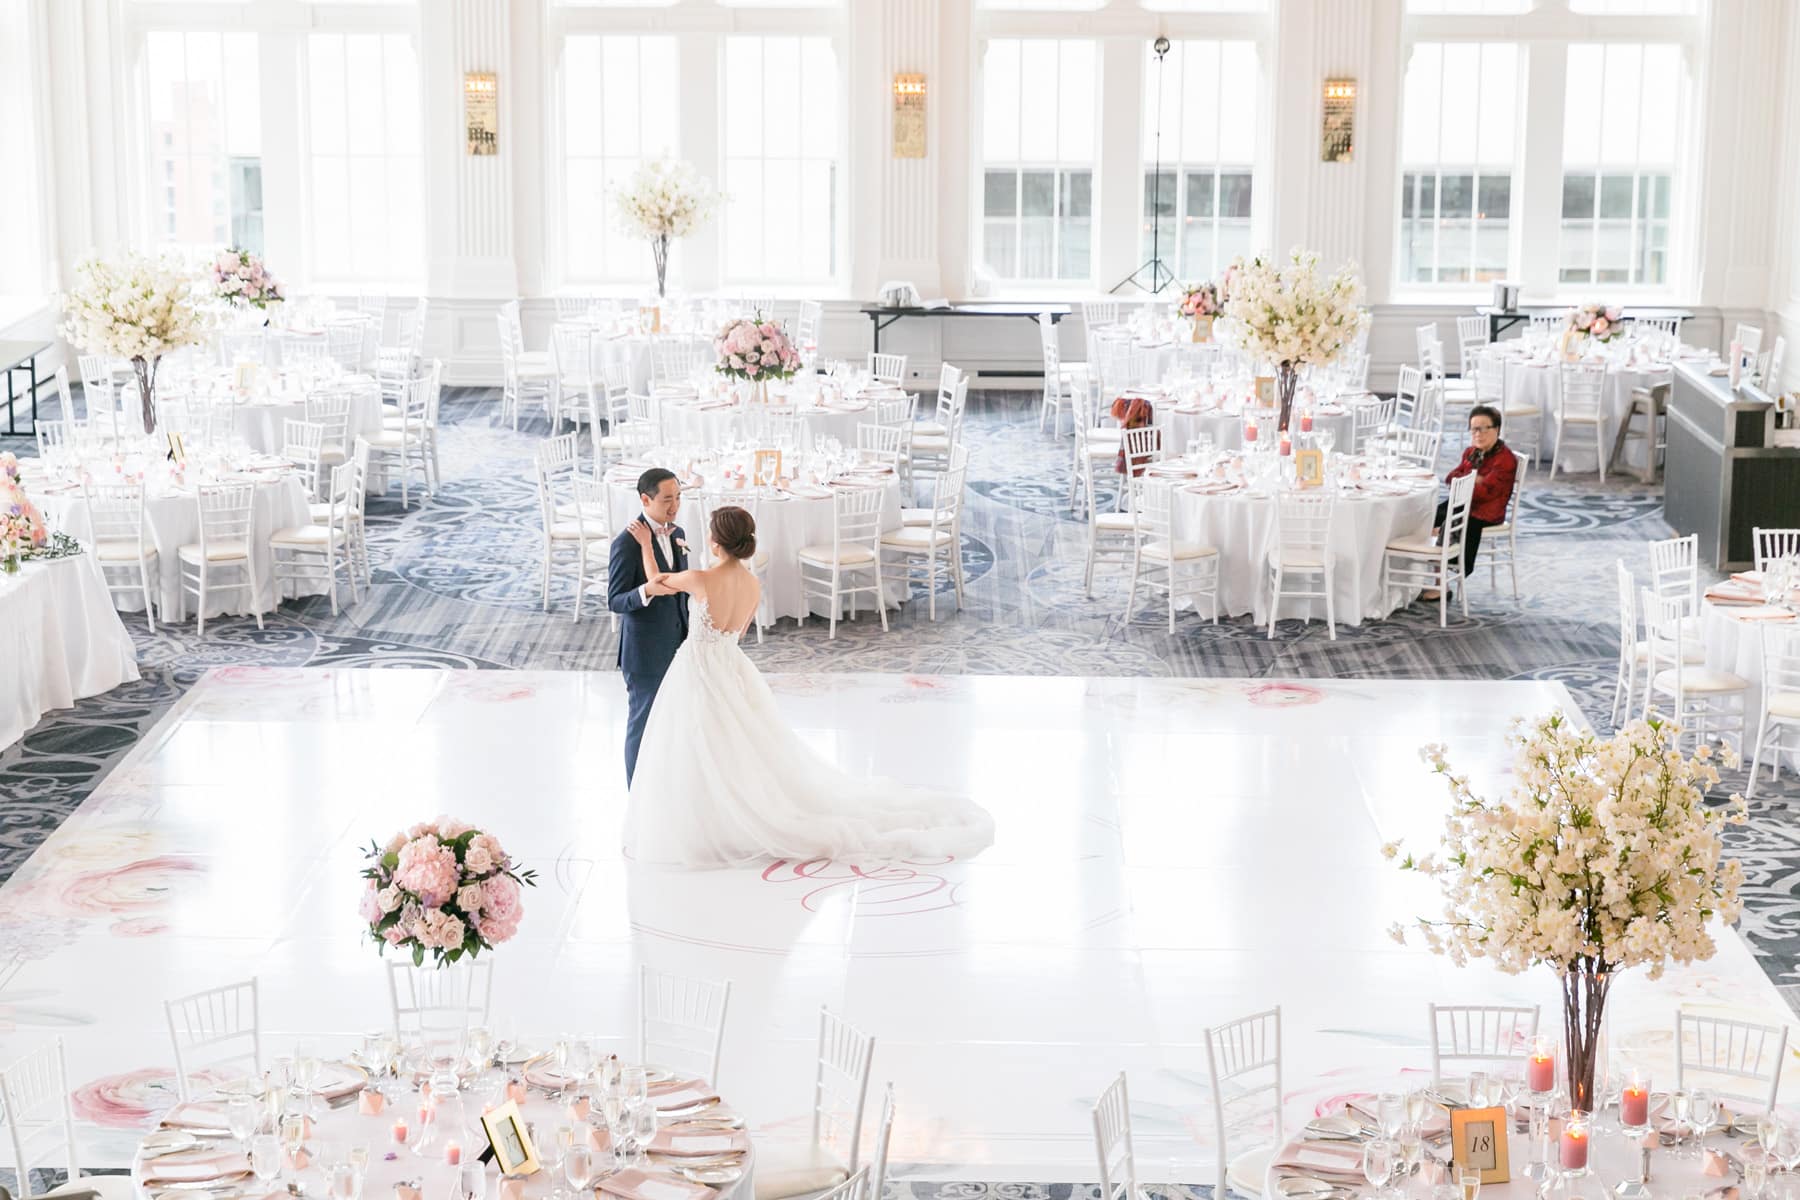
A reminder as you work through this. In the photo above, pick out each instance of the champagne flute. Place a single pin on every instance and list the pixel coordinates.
(1756, 1172)
(1469, 1179)
(1412, 1151)
(1418, 1106)
(1681, 1107)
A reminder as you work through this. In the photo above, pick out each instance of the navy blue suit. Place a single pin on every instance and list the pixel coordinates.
(649, 634)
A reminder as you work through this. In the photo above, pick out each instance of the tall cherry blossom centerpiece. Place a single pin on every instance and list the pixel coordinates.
(1603, 856)
(138, 308)
(663, 200)
(1289, 314)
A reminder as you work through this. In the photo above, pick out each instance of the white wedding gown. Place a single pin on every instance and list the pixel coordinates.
(721, 779)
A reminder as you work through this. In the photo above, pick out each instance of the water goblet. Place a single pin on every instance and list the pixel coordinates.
(1478, 1089)
(643, 1130)
(578, 1166)
(1390, 1109)
(1703, 1110)
(1378, 1162)
(1790, 1147)
(242, 1115)
(265, 1158)
(1681, 1108)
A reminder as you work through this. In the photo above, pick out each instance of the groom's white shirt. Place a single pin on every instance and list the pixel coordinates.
(668, 553)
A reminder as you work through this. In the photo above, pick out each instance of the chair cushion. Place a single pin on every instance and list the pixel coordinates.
(1109, 435)
(783, 1171)
(1520, 410)
(1691, 652)
(1296, 560)
(849, 557)
(1183, 551)
(388, 439)
(306, 535)
(1785, 704)
(215, 552)
(121, 551)
(930, 429)
(916, 537)
(1115, 522)
(574, 512)
(1417, 544)
(922, 516)
(930, 444)
(101, 1187)
(1701, 679)
(1249, 1171)
(533, 358)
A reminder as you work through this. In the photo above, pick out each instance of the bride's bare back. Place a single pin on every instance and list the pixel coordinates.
(731, 593)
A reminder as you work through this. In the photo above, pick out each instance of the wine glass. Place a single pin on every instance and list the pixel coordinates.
(636, 1087)
(643, 1130)
(1378, 1162)
(578, 1165)
(1418, 1106)
(265, 1158)
(1478, 1089)
(1390, 1108)
(1681, 1108)
(242, 1116)
(307, 1068)
(1703, 1108)
(559, 1055)
(478, 1048)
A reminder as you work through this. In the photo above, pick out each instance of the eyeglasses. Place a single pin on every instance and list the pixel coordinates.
(1481, 429)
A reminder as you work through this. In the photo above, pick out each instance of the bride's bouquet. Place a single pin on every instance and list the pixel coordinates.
(754, 349)
(443, 887)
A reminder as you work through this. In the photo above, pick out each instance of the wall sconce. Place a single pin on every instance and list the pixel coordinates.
(481, 112)
(909, 116)
(1337, 127)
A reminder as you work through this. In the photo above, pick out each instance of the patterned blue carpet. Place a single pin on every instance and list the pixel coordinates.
(456, 588)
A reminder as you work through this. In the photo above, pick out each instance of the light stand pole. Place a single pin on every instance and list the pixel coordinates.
(1158, 274)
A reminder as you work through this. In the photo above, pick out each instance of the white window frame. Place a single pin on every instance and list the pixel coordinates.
(1544, 35)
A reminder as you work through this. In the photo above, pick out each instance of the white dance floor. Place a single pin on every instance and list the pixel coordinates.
(1171, 854)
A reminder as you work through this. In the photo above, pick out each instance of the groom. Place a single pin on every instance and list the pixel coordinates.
(654, 617)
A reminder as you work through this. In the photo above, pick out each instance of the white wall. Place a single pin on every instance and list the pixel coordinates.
(488, 231)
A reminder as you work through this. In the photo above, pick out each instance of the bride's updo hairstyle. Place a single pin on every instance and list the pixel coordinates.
(734, 531)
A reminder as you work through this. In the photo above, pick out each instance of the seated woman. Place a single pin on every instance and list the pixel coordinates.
(1494, 466)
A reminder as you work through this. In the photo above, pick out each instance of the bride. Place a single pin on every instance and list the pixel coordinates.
(721, 780)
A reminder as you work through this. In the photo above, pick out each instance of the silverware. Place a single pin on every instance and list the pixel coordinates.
(222, 1183)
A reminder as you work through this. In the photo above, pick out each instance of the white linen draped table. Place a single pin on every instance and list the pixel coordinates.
(1537, 382)
(1240, 525)
(1732, 637)
(785, 524)
(348, 1126)
(258, 420)
(173, 514)
(714, 424)
(60, 640)
(1223, 422)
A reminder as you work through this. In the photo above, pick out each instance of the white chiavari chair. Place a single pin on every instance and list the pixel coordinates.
(1706, 702)
(573, 509)
(1769, 374)
(1097, 440)
(1771, 544)
(1243, 1065)
(1111, 536)
(1098, 314)
(242, 346)
(227, 520)
(122, 545)
(840, 1096)
(1778, 731)
(98, 394)
(1675, 572)
(1370, 421)
(529, 374)
(578, 374)
(400, 448)
(344, 343)
(1502, 541)
(55, 437)
(1180, 570)
(880, 444)
(301, 443)
(887, 368)
(675, 359)
(646, 413)
(1580, 407)
(429, 1003)
(1631, 647)
(1749, 340)
(850, 564)
(1425, 337)
(217, 1030)
(612, 406)
(1418, 561)
(807, 324)
(1547, 325)
(1406, 395)
(373, 308)
(1666, 328)
(312, 553)
(1302, 547)
(355, 528)
(681, 1022)
(1739, 1060)
(1112, 1143)
(1471, 340)
(65, 400)
(1484, 1035)
(1118, 365)
(1417, 447)
(34, 1102)
(932, 441)
(301, 350)
(1058, 378)
(396, 364)
(573, 308)
(923, 548)
(330, 410)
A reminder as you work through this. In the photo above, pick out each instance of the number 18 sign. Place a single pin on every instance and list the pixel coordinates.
(1478, 1142)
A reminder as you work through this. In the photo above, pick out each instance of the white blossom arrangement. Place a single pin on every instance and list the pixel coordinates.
(662, 200)
(1288, 314)
(1604, 856)
(139, 308)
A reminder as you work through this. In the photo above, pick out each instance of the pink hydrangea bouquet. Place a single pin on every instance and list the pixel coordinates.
(240, 278)
(752, 348)
(1200, 300)
(21, 525)
(443, 887)
(1598, 321)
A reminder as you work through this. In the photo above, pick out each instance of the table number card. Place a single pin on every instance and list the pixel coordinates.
(1478, 1142)
(1265, 391)
(1309, 467)
(509, 1141)
(177, 449)
(768, 467)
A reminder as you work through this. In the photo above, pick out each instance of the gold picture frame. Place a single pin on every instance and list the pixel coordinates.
(1478, 1142)
(766, 469)
(510, 1140)
(1265, 391)
(177, 448)
(1309, 467)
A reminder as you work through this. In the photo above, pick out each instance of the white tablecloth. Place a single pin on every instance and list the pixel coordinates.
(1241, 526)
(688, 423)
(60, 640)
(783, 528)
(1539, 385)
(1225, 426)
(258, 422)
(1737, 646)
(174, 518)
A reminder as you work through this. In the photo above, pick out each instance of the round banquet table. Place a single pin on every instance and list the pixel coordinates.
(60, 640)
(1224, 424)
(784, 525)
(1614, 1157)
(1537, 383)
(341, 1123)
(1732, 636)
(258, 421)
(716, 423)
(1240, 524)
(174, 521)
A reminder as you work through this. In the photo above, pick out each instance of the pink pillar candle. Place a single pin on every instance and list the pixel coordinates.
(453, 1154)
(1574, 1155)
(1305, 422)
(1540, 1073)
(1250, 432)
(400, 1130)
(1287, 447)
(1634, 1105)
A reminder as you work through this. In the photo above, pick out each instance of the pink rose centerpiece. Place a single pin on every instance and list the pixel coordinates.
(443, 887)
(22, 526)
(1602, 322)
(756, 350)
(1200, 303)
(241, 278)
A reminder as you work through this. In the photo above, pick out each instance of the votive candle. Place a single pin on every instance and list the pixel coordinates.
(1634, 1104)
(1574, 1156)
(1540, 1073)
(1287, 447)
(1250, 433)
(400, 1130)
(453, 1154)
(1306, 422)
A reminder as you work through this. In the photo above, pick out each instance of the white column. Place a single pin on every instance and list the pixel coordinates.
(1537, 207)
(951, 98)
(278, 61)
(895, 211)
(694, 261)
(469, 197)
(1118, 161)
(531, 73)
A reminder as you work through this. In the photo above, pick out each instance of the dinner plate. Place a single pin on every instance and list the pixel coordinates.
(719, 1174)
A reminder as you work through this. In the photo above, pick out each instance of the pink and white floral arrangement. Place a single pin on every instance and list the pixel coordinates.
(241, 278)
(22, 526)
(1200, 300)
(1601, 322)
(443, 887)
(755, 349)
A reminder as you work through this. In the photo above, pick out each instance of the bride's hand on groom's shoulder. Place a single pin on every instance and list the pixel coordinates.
(640, 532)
